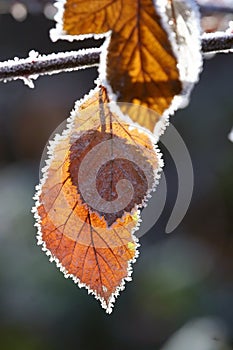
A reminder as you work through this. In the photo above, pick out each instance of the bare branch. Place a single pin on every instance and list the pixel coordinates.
(217, 42)
(36, 65)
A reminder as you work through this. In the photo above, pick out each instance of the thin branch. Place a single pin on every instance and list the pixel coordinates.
(217, 42)
(35, 65)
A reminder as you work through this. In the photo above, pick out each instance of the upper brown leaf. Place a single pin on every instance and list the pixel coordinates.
(141, 67)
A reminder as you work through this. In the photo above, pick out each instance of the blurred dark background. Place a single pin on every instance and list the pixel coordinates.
(181, 297)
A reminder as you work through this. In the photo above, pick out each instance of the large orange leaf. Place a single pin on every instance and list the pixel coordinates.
(153, 49)
(100, 171)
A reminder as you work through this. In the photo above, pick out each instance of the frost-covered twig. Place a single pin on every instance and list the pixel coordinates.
(31, 67)
(217, 42)
(36, 65)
